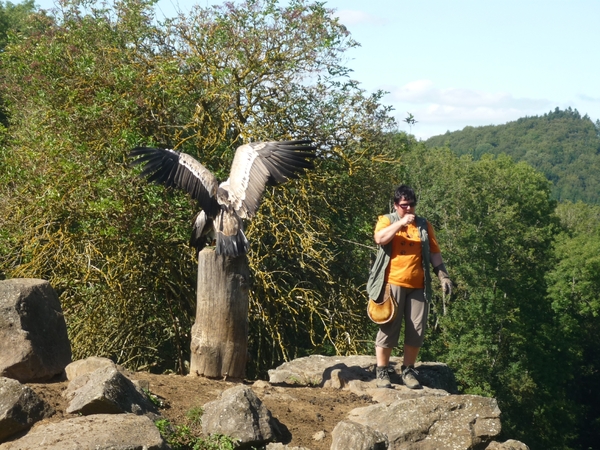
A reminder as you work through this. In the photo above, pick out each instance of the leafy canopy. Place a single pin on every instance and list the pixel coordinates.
(102, 79)
(563, 145)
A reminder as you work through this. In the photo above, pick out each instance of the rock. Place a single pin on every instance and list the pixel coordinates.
(106, 391)
(351, 372)
(87, 365)
(93, 363)
(279, 446)
(425, 419)
(316, 370)
(33, 332)
(350, 435)
(451, 422)
(99, 432)
(261, 384)
(319, 435)
(511, 444)
(240, 414)
(20, 407)
(434, 375)
(389, 396)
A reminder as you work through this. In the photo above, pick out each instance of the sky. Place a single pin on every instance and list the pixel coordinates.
(458, 63)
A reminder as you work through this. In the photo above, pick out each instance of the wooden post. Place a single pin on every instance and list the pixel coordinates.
(220, 333)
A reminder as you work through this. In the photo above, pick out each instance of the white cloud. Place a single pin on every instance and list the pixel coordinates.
(438, 110)
(589, 98)
(425, 92)
(478, 115)
(436, 119)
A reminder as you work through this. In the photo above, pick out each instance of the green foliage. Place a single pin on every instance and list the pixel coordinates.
(182, 437)
(82, 92)
(574, 289)
(13, 19)
(155, 400)
(563, 145)
(83, 88)
(188, 434)
(194, 415)
(495, 223)
(71, 211)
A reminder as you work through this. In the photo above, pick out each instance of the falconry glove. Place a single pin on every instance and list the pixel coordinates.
(445, 281)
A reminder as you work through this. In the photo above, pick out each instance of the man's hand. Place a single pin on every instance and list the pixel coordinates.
(407, 219)
(445, 281)
(446, 286)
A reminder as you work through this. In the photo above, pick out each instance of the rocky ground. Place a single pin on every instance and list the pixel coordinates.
(303, 411)
(308, 398)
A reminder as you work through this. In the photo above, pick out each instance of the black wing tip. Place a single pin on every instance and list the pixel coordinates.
(302, 144)
(141, 150)
(145, 150)
(297, 142)
(143, 154)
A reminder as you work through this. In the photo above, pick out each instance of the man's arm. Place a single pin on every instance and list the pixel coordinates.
(440, 270)
(385, 235)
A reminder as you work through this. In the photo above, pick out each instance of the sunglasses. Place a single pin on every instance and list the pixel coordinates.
(408, 205)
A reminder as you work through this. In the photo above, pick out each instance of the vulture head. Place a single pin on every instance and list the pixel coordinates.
(225, 205)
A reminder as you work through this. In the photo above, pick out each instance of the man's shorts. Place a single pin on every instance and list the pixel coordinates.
(412, 309)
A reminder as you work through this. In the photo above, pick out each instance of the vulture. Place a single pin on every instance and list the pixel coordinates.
(225, 205)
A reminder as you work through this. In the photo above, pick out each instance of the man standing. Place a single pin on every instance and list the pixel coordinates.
(407, 246)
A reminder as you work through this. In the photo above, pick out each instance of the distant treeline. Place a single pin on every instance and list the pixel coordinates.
(563, 145)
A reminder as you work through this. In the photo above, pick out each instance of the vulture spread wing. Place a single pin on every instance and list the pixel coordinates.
(180, 170)
(256, 164)
(223, 207)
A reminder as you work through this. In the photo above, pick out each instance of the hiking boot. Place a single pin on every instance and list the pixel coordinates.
(383, 377)
(409, 377)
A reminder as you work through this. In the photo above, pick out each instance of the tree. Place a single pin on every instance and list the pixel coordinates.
(495, 223)
(560, 144)
(13, 19)
(105, 79)
(410, 120)
(574, 289)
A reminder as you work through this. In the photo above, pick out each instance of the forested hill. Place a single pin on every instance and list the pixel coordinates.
(563, 145)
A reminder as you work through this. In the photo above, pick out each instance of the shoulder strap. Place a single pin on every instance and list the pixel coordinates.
(377, 272)
(424, 236)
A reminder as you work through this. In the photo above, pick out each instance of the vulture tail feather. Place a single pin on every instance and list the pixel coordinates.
(235, 245)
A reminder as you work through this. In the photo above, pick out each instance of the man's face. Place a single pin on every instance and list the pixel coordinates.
(405, 207)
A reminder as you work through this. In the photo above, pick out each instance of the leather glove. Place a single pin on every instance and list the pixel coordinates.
(445, 281)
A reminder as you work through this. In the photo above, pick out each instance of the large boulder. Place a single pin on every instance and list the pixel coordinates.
(316, 370)
(33, 332)
(351, 435)
(280, 446)
(86, 366)
(355, 372)
(239, 413)
(511, 444)
(99, 432)
(20, 407)
(106, 391)
(434, 422)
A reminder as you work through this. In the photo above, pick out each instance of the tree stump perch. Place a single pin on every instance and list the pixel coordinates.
(220, 333)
